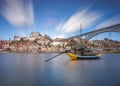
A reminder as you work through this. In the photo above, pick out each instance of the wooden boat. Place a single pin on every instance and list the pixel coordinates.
(75, 56)
(80, 54)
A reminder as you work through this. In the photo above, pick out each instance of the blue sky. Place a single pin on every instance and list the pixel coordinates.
(57, 18)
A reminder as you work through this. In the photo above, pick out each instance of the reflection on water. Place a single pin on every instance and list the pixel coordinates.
(31, 70)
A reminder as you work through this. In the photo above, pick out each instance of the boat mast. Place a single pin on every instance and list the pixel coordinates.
(110, 39)
(81, 35)
(81, 47)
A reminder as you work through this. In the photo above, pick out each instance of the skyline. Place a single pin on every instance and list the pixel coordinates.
(57, 18)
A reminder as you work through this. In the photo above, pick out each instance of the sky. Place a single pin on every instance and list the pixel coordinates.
(57, 18)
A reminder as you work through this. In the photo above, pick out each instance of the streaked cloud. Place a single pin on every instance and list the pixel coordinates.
(18, 12)
(84, 17)
(109, 22)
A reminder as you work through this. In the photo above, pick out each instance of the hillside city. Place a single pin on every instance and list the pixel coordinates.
(37, 43)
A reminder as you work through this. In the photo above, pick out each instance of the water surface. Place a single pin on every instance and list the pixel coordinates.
(31, 70)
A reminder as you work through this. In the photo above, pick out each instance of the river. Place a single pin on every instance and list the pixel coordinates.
(30, 70)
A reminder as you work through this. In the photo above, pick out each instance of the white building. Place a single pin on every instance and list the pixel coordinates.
(57, 42)
(17, 38)
(34, 35)
(31, 38)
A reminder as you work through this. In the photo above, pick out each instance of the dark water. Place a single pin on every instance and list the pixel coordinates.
(31, 70)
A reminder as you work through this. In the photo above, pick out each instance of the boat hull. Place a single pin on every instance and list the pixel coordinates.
(75, 57)
(87, 57)
(72, 56)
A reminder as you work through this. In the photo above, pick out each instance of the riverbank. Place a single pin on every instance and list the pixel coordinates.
(62, 50)
(31, 52)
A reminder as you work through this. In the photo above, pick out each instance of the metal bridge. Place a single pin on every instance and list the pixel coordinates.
(87, 36)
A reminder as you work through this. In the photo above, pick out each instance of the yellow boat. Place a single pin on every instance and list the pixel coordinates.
(75, 56)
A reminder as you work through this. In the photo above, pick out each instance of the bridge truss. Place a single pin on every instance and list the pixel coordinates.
(87, 36)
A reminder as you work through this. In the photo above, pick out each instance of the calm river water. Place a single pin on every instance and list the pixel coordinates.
(31, 70)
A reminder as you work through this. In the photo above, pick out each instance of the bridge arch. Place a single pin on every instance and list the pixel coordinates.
(90, 36)
(87, 36)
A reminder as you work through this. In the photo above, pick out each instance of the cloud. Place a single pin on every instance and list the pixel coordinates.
(83, 17)
(109, 22)
(22, 34)
(18, 12)
(59, 36)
